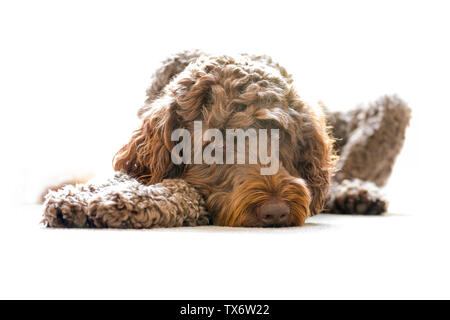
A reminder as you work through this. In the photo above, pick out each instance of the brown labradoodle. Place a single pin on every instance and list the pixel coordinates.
(243, 91)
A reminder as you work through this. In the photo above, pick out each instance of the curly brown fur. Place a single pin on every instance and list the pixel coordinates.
(123, 202)
(227, 92)
(169, 68)
(369, 140)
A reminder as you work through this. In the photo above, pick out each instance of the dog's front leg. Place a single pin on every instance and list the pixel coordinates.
(123, 202)
(171, 203)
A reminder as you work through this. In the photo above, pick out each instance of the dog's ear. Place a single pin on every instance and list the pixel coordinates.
(316, 156)
(147, 156)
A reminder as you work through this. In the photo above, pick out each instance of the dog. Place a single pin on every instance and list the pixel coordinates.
(325, 161)
(250, 91)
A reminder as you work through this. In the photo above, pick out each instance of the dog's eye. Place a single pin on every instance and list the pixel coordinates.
(240, 107)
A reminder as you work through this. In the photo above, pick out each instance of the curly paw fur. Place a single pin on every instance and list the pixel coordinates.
(67, 207)
(356, 197)
(123, 202)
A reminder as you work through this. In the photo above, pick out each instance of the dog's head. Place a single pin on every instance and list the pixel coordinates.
(225, 93)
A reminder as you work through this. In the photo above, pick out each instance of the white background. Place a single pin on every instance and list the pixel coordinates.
(73, 74)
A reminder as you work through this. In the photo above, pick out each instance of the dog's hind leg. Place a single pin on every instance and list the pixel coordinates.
(368, 142)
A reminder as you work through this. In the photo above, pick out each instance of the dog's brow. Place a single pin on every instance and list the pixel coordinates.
(275, 114)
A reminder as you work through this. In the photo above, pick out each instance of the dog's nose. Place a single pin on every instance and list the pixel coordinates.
(273, 213)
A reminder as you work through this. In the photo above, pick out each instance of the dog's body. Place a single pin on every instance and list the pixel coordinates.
(244, 92)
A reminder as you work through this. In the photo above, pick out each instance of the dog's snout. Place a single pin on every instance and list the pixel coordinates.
(273, 213)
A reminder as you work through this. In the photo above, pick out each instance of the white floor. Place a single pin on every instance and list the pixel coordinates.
(394, 256)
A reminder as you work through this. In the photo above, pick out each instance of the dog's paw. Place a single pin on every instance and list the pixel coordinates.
(111, 210)
(65, 208)
(124, 207)
(357, 197)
